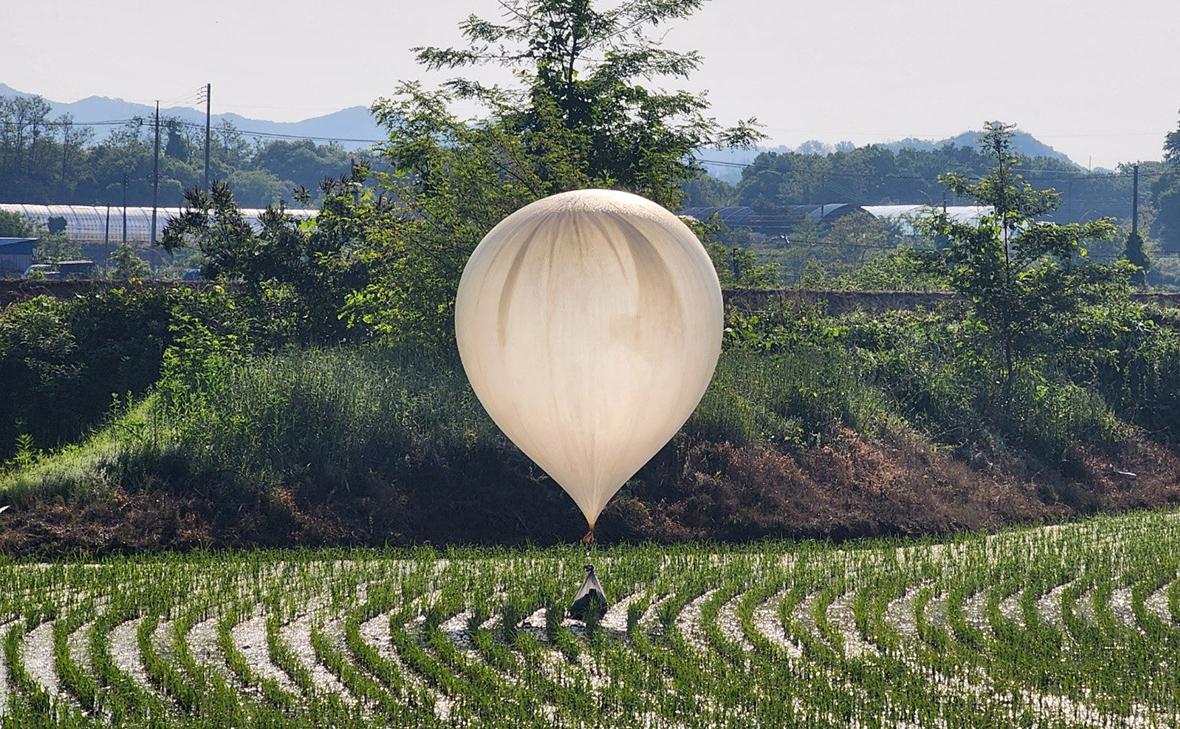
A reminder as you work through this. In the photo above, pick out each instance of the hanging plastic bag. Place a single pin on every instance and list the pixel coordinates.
(590, 598)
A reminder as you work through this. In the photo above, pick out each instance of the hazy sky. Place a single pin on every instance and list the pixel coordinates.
(1096, 79)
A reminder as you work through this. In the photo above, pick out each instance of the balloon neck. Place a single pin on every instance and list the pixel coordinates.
(588, 540)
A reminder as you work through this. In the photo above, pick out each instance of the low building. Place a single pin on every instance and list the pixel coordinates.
(780, 222)
(82, 268)
(16, 254)
(785, 220)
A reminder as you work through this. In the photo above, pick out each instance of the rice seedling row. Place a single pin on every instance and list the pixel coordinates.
(1068, 626)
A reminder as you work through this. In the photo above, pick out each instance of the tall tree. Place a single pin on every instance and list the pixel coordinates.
(584, 75)
(1022, 275)
(1167, 194)
(177, 145)
(1134, 254)
(15, 225)
(585, 114)
(72, 152)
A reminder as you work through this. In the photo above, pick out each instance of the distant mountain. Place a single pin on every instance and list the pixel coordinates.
(356, 123)
(1023, 143)
(353, 123)
(727, 164)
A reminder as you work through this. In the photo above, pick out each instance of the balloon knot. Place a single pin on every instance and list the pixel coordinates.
(589, 538)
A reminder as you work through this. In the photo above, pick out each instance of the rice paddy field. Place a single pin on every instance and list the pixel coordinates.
(1066, 626)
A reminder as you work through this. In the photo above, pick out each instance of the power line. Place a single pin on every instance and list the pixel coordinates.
(108, 122)
(207, 94)
(195, 125)
(278, 135)
(889, 137)
(1076, 175)
(1065, 174)
(1061, 174)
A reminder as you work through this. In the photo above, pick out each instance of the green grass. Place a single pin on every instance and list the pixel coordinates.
(789, 379)
(346, 416)
(116, 454)
(419, 638)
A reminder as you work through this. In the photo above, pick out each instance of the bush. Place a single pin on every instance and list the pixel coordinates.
(932, 371)
(1149, 387)
(789, 381)
(797, 396)
(1047, 418)
(331, 418)
(897, 270)
(62, 361)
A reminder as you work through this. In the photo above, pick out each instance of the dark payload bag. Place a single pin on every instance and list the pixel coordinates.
(590, 597)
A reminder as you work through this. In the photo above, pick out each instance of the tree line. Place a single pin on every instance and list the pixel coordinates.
(876, 175)
(46, 160)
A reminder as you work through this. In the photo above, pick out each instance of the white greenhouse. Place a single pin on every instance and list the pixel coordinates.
(104, 224)
(907, 216)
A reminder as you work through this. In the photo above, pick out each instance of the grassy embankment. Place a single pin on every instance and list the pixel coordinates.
(821, 426)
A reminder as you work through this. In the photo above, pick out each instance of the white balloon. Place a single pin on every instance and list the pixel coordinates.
(589, 324)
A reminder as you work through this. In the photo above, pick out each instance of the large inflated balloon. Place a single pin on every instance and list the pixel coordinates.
(589, 324)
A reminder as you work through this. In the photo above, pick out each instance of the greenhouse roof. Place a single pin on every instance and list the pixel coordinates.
(95, 224)
(907, 215)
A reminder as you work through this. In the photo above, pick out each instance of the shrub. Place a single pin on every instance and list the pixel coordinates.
(1046, 417)
(796, 396)
(931, 370)
(62, 361)
(330, 417)
(896, 270)
(1149, 392)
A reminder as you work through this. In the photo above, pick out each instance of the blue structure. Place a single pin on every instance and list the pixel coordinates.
(16, 254)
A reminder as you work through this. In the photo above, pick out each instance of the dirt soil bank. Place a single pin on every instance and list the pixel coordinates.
(705, 491)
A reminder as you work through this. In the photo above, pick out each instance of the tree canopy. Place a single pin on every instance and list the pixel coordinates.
(1023, 275)
(1167, 194)
(585, 113)
(46, 160)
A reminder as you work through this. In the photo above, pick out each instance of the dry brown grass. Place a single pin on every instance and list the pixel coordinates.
(848, 488)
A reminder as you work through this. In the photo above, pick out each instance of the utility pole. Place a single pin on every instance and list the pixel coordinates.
(1135, 202)
(356, 188)
(106, 233)
(156, 174)
(65, 140)
(208, 91)
(124, 206)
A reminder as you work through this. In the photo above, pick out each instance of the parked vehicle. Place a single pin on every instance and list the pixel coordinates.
(41, 271)
(82, 268)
